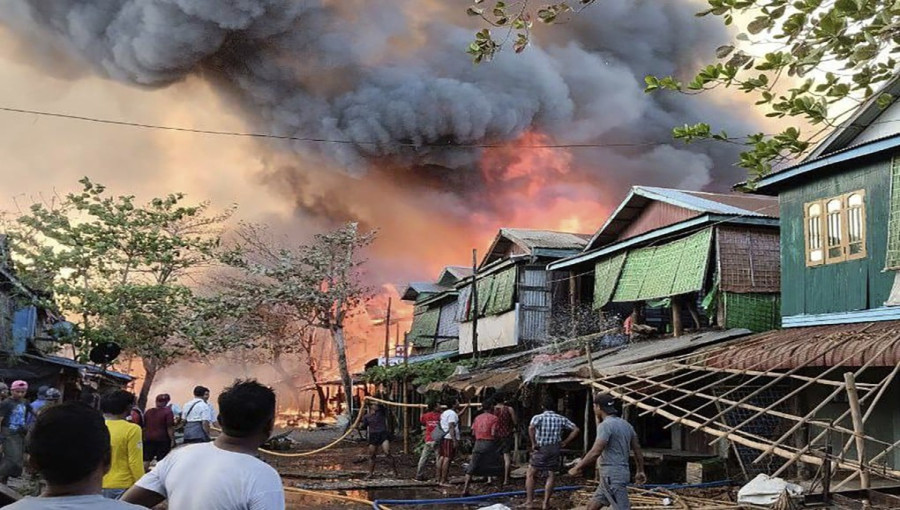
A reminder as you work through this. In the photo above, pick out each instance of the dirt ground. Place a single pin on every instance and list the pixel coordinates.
(347, 464)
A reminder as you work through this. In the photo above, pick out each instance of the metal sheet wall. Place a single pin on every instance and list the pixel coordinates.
(534, 302)
(447, 324)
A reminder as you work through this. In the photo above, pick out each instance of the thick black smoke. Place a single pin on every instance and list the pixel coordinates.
(384, 74)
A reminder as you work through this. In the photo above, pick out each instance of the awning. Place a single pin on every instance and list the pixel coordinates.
(424, 327)
(849, 345)
(606, 274)
(502, 381)
(656, 272)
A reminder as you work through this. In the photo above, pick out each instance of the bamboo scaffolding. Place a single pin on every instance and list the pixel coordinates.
(827, 382)
(774, 354)
(856, 413)
(882, 386)
(740, 373)
(825, 402)
(733, 404)
(777, 448)
(810, 383)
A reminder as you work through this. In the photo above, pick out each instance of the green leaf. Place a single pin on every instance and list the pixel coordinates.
(724, 51)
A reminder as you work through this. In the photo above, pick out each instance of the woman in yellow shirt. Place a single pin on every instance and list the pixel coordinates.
(125, 439)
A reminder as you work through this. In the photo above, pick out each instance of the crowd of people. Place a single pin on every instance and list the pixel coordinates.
(493, 430)
(101, 458)
(104, 458)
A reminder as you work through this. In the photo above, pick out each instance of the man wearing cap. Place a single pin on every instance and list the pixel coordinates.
(14, 414)
(46, 396)
(615, 437)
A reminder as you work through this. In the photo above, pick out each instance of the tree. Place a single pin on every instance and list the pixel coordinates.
(318, 285)
(813, 61)
(123, 271)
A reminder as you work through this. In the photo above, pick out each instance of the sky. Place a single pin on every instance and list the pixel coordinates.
(389, 72)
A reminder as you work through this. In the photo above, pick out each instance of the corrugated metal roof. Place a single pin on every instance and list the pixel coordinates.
(70, 363)
(414, 289)
(849, 345)
(638, 352)
(532, 242)
(862, 118)
(736, 204)
(546, 238)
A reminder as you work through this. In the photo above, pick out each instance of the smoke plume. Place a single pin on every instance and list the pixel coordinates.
(390, 78)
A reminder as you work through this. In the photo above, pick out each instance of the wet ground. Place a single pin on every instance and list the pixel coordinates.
(346, 465)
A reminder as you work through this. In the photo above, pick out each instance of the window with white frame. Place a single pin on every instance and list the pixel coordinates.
(835, 229)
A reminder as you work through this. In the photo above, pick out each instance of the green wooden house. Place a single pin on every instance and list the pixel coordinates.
(840, 223)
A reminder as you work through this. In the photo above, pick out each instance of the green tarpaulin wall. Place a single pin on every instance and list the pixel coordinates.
(606, 273)
(754, 311)
(661, 271)
(502, 292)
(496, 294)
(424, 327)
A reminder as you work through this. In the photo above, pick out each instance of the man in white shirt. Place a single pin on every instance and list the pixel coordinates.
(447, 450)
(197, 417)
(224, 474)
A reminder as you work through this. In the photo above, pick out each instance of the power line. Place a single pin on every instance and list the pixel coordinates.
(448, 145)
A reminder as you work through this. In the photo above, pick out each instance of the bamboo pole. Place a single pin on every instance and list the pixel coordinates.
(677, 328)
(856, 413)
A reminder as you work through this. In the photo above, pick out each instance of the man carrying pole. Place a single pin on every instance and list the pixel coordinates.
(615, 437)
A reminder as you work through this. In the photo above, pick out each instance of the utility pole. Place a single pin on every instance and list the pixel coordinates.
(473, 309)
(387, 334)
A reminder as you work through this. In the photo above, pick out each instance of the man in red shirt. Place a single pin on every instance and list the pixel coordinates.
(429, 421)
(486, 453)
(159, 431)
(506, 430)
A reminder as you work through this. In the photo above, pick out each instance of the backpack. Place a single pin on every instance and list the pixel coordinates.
(438, 434)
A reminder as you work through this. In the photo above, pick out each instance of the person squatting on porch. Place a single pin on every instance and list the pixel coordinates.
(545, 432)
(615, 437)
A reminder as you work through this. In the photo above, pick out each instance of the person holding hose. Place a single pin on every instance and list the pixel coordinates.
(615, 437)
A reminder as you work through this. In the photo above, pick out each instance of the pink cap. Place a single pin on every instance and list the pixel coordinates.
(19, 385)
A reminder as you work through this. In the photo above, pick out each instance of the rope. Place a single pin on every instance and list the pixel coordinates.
(332, 496)
(467, 499)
